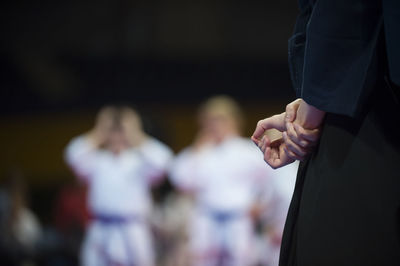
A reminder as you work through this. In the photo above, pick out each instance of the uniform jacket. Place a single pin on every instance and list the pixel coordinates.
(333, 53)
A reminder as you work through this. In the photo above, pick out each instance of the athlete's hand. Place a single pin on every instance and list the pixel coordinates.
(275, 154)
(132, 127)
(302, 130)
(276, 122)
(296, 141)
(104, 122)
(299, 141)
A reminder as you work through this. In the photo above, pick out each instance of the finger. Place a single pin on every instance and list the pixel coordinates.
(293, 147)
(285, 155)
(276, 121)
(292, 155)
(292, 134)
(267, 155)
(275, 154)
(276, 157)
(280, 162)
(291, 152)
(271, 158)
(256, 141)
(288, 160)
(307, 134)
(262, 144)
(291, 110)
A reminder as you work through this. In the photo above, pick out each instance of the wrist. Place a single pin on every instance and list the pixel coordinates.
(308, 116)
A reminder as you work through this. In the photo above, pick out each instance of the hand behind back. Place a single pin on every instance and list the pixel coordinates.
(296, 141)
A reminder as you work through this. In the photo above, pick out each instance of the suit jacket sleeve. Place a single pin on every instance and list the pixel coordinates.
(391, 14)
(340, 54)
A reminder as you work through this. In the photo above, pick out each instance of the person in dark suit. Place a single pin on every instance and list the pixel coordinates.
(344, 61)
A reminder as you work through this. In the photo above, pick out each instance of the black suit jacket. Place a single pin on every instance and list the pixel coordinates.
(335, 51)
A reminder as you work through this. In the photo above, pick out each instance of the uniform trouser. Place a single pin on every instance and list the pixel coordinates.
(346, 205)
(117, 241)
(215, 237)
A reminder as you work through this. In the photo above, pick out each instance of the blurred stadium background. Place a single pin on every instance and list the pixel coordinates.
(62, 60)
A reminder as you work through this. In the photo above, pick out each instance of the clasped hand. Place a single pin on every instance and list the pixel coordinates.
(298, 138)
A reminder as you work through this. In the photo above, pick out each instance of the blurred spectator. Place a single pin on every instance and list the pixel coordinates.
(19, 228)
(119, 162)
(71, 213)
(226, 174)
(61, 246)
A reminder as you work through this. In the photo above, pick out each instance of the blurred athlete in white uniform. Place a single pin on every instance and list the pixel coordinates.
(273, 219)
(119, 162)
(224, 172)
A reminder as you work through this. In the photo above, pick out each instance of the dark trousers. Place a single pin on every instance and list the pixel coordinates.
(346, 206)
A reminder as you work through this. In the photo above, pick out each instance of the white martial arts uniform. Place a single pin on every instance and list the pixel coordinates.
(284, 180)
(225, 179)
(119, 200)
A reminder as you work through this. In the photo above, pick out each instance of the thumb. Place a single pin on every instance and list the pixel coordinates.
(290, 115)
(276, 121)
(291, 110)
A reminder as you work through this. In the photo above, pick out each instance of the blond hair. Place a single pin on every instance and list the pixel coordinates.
(223, 105)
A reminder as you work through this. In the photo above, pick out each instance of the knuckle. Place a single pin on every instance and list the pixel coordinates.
(291, 155)
(300, 129)
(291, 134)
(303, 135)
(286, 152)
(289, 146)
(285, 137)
(304, 143)
(273, 165)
